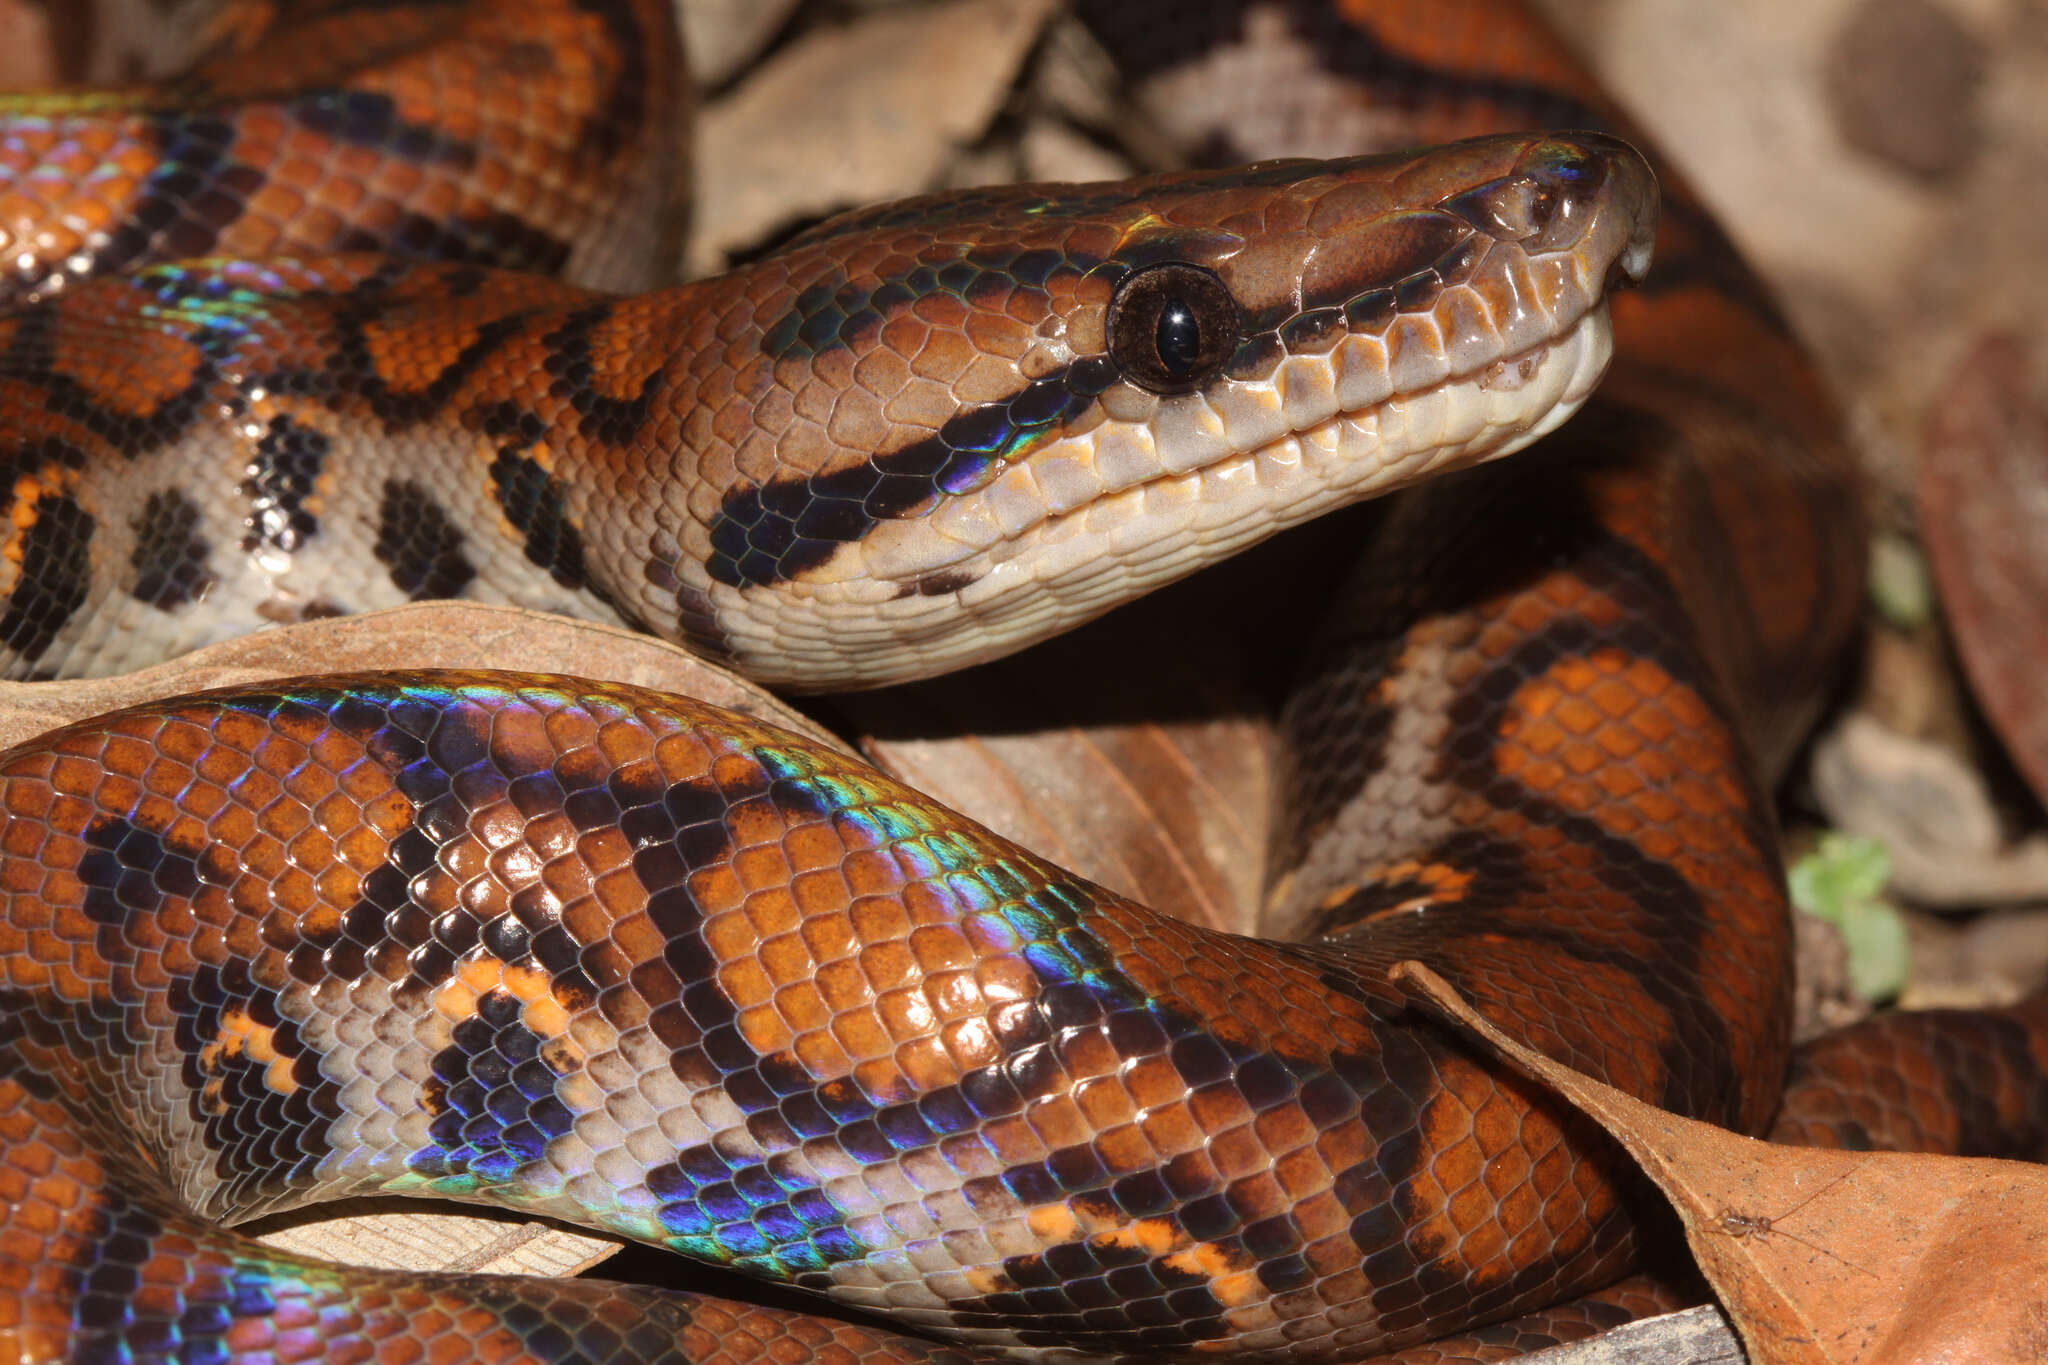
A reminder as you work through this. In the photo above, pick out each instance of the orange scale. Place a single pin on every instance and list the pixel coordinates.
(814, 844)
(773, 411)
(1233, 1150)
(941, 947)
(926, 1065)
(1257, 1195)
(1058, 1123)
(116, 794)
(74, 776)
(954, 994)
(588, 911)
(878, 1079)
(857, 420)
(760, 1023)
(761, 869)
(38, 967)
(1107, 1106)
(234, 827)
(1125, 1150)
(22, 843)
(291, 890)
(1579, 759)
(828, 937)
(1090, 1054)
(799, 1003)
(831, 372)
(1324, 1223)
(886, 966)
(774, 913)
(902, 336)
(997, 339)
(880, 919)
(971, 1043)
(166, 779)
(907, 1015)
(311, 847)
(821, 1057)
(1157, 1088)
(1287, 1129)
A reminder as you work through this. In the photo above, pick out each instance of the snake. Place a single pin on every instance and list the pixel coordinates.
(334, 320)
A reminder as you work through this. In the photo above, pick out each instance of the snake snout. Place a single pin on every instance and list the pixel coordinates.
(1585, 171)
(1560, 189)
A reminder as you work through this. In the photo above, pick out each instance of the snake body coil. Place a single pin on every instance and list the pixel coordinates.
(633, 961)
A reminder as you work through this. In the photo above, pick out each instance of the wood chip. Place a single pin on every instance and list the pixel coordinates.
(1697, 1336)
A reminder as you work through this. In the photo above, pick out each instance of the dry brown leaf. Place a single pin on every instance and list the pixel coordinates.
(853, 115)
(422, 635)
(1828, 1258)
(26, 58)
(1152, 781)
(1983, 501)
(434, 1240)
(721, 36)
(1167, 813)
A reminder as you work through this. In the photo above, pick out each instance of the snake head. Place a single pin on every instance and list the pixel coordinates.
(962, 423)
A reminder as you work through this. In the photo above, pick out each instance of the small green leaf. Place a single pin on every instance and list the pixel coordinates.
(1843, 871)
(1899, 586)
(1875, 934)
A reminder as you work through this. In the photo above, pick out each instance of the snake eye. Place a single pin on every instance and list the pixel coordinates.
(1172, 327)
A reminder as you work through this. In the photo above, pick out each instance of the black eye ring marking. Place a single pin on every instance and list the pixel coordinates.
(1172, 327)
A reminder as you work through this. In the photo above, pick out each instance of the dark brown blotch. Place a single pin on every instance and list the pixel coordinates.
(56, 576)
(536, 503)
(281, 479)
(170, 557)
(420, 543)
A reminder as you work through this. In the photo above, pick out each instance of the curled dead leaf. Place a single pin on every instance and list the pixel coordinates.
(1983, 503)
(852, 115)
(1823, 1257)
(422, 635)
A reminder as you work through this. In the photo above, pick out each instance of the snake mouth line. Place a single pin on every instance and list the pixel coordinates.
(1058, 568)
(1347, 457)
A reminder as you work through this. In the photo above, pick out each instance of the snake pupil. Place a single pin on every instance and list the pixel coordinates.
(1172, 327)
(1180, 337)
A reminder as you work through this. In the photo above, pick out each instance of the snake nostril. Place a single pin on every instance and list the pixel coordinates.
(1512, 209)
(1546, 200)
(1568, 178)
